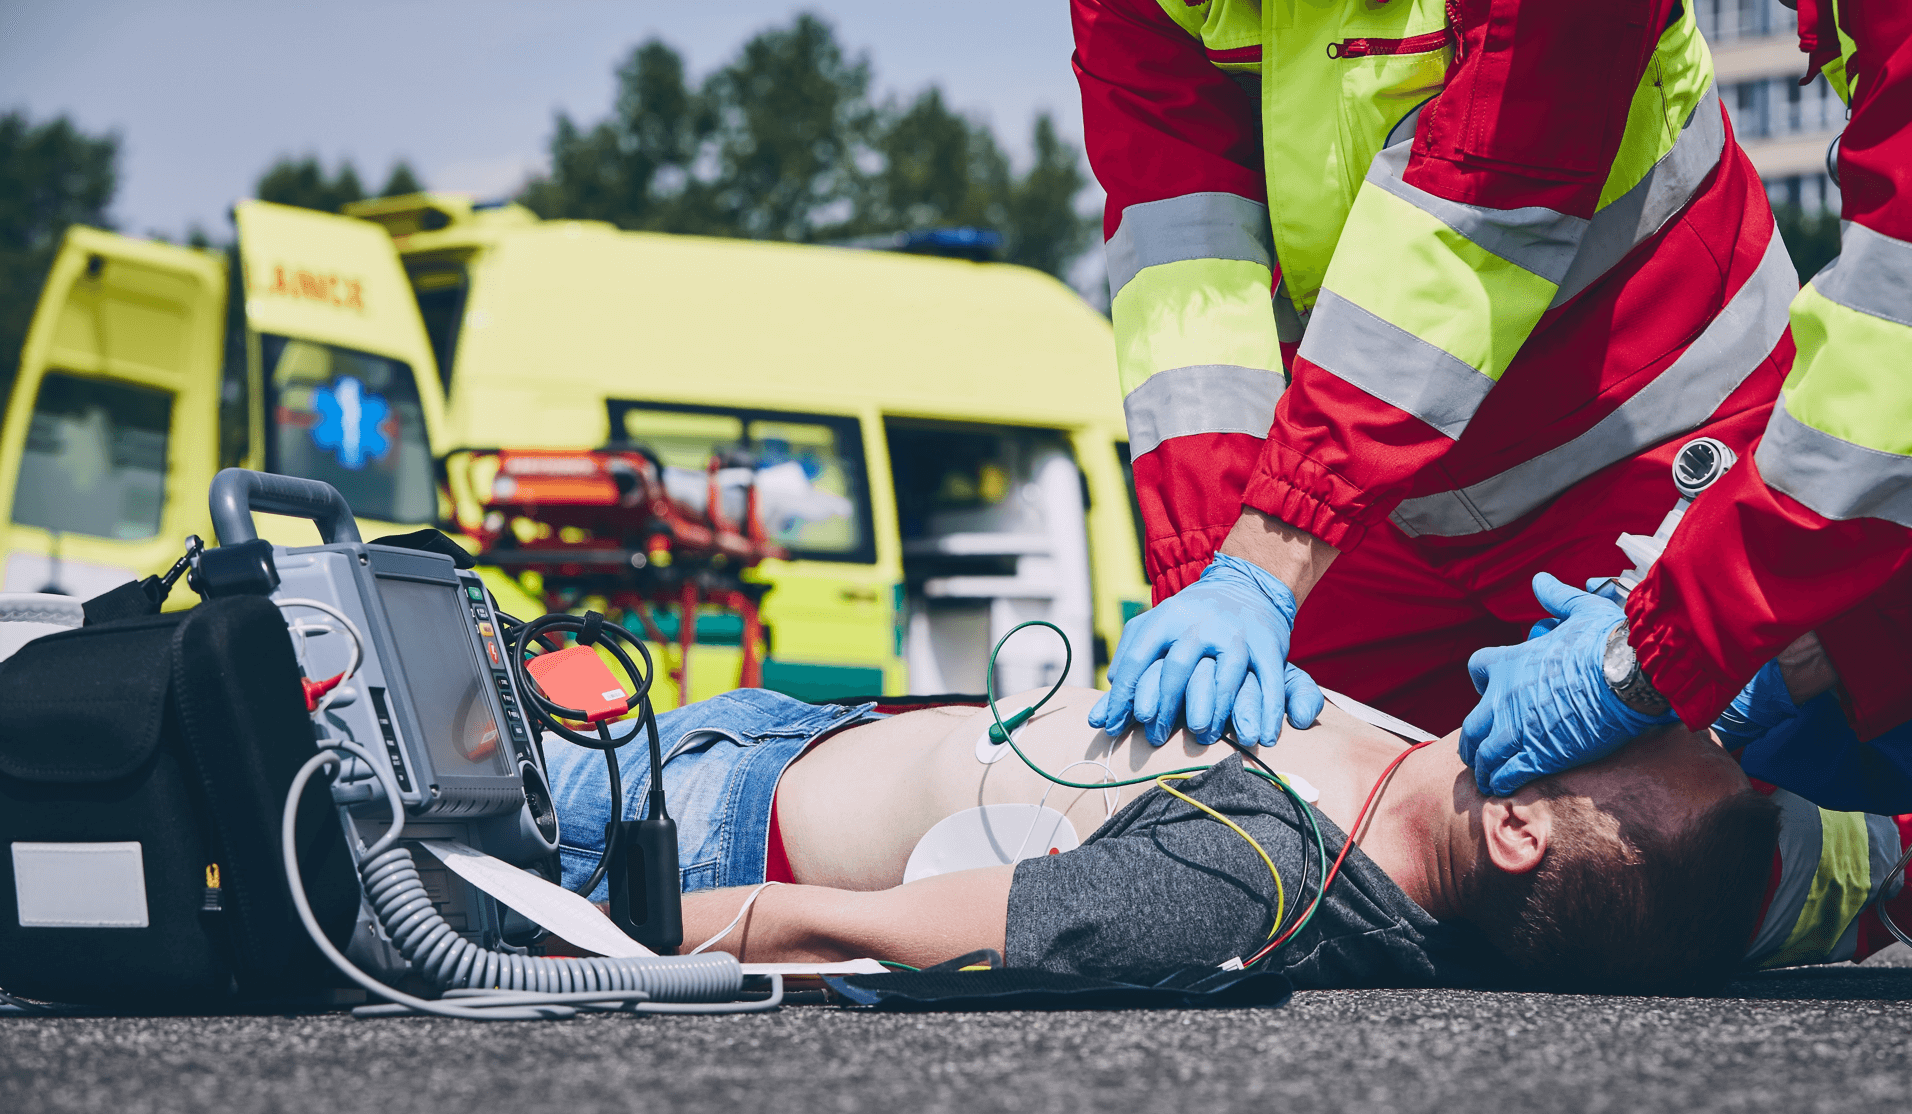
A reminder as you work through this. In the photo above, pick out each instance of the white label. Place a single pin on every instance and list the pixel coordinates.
(614, 694)
(80, 885)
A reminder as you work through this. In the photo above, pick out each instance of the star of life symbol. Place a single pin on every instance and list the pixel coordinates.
(349, 420)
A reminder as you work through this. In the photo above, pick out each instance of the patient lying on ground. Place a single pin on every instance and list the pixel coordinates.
(1643, 872)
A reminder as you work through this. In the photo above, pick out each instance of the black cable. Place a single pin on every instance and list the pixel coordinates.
(547, 715)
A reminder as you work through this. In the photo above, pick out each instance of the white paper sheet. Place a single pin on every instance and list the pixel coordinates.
(1377, 717)
(556, 908)
(847, 967)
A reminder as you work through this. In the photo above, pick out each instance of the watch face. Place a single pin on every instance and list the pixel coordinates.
(1702, 461)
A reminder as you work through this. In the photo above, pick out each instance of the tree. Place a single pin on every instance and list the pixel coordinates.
(634, 169)
(1044, 229)
(792, 117)
(1812, 239)
(51, 176)
(401, 181)
(783, 143)
(303, 182)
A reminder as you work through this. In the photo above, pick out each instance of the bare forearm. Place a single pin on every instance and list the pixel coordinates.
(919, 924)
(1295, 557)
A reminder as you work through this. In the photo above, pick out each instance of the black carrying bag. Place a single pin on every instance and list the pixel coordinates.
(178, 733)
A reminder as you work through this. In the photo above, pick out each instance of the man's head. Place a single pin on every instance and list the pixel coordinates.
(1640, 873)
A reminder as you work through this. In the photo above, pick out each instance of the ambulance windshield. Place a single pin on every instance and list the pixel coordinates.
(352, 419)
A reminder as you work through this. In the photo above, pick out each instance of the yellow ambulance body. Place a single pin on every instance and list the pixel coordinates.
(949, 436)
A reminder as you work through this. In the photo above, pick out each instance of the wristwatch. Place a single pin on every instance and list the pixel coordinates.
(1625, 677)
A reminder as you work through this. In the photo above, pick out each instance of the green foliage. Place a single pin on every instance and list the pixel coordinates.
(1812, 239)
(784, 143)
(51, 176)
(303, 182)
(401, 181)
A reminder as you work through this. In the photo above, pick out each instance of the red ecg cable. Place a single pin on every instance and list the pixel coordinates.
(1347, 843)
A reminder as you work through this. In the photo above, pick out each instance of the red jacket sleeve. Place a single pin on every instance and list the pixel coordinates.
(1816, 524)
(1386, 380)
(1174, 139)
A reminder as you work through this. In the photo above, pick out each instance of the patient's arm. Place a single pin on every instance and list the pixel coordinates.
(922, 923)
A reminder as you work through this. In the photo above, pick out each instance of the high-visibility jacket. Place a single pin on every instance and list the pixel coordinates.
(1829, 880)
(1498, 254)
(1821, 517)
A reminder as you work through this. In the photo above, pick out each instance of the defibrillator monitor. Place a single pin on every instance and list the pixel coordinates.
(433, 693)
(433, 629)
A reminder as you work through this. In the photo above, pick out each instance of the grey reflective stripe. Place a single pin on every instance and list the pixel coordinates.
(1871, 274)
(1882, 840)
(1831, 475)
(1207, 398)
(1636, 215)
(1677, 400)
(1393, 364)
(1290, 326)
(1800, 841)
(1192, 226)
(1541, 240)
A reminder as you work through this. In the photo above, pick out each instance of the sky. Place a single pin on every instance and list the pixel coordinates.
(205, 94)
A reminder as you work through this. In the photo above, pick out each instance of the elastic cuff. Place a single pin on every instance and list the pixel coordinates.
(1279, 498)
(1675, 663)
(1179, 560)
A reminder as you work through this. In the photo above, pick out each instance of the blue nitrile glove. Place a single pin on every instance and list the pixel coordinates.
(1761, 706)
(1218, 648)
(1545, 704)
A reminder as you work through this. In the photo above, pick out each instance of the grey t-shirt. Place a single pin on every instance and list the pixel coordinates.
(1163, 886)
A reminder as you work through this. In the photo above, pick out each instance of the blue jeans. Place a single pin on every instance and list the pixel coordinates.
(723, 758)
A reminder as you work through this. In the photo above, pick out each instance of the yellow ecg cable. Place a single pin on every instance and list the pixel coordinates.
(1281, 897)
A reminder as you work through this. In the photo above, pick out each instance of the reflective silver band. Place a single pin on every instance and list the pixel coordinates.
(1540, 240)
(1639, 213)
(1833, 476)
(1192, 226)
(1207, 398)
(1679, 399)
(1882, 840)
(1871, 274)
(1800, 841)
(1393, 364)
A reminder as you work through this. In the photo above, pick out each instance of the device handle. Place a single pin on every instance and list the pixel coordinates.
(237, 492)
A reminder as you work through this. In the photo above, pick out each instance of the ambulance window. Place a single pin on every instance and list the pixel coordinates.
(95, 459)
(441, 293)
(811, 492)
(353, 420)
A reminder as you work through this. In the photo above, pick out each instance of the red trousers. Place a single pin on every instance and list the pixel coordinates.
(1396, 618)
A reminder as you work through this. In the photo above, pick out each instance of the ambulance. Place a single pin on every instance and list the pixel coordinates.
(938, 444)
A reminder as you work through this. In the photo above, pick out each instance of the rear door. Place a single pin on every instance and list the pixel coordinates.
(341, 364)
(111, 434)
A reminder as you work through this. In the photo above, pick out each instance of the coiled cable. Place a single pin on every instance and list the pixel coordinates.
(486, 985)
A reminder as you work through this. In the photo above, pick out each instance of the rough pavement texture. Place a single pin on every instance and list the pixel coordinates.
(1832, 1039)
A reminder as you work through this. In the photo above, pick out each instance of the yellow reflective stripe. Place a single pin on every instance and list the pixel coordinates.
(1839, 890)
(1411, 270)
(1191, 313)
(1677, 76)
(1849, 379)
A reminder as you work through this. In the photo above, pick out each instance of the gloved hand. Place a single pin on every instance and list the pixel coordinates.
(1765, 703)
(1218, 648)
(1545, 704)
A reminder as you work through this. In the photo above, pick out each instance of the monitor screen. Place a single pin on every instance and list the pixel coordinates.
(448, 685)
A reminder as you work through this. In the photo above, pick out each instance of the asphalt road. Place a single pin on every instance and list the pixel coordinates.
(1828, 1039)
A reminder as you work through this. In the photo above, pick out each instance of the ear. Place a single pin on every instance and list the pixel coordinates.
(1516, 830)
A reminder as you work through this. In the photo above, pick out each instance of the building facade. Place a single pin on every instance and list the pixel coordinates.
(1785, 127)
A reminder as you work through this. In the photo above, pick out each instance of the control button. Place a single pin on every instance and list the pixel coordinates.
(476, 592)
(491, 649)
(484, 628)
